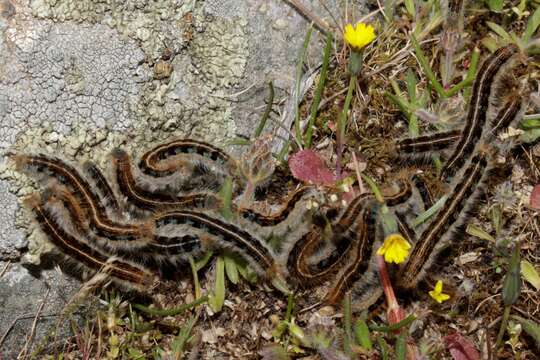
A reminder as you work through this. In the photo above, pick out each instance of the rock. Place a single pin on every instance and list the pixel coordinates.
(70, 69)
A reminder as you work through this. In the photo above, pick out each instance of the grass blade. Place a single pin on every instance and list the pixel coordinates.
(319, 90)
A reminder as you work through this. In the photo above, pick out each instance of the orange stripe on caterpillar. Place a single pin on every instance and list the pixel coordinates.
(153, 249)
(154, 201)
(224, 236)
(463, 196)
(78, 250)
(365, 235)
(89, 201)
(162, 160)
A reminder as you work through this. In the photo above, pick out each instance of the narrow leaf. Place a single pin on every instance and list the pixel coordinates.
(267, 111)
(499, 30)
(532, 25)
(217, 299)
(512, 281)
(409, 319)
(530, 327)
(231, 269)
(429, 212)
(477, 231)
(226, 197)
(401, 346)
(361, 332)
(495, 5)
(247, 273)
(530, 274)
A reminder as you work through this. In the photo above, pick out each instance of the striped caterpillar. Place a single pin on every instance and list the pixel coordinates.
(169, 218)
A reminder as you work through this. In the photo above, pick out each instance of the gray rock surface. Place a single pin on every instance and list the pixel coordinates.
(79, 77)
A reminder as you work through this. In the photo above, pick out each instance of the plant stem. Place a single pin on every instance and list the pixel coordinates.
(342, 123)
(267, 110)
(502, 329)
(347, 324)
(290, 306)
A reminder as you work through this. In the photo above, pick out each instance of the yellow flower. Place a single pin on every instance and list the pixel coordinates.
(395, 249)
(437, 293)
(359, 36)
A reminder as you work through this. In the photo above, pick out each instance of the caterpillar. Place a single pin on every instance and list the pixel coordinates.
(84, 219)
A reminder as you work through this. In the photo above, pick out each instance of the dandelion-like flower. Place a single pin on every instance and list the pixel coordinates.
(358, 36)
(395, 249)
(437, 293)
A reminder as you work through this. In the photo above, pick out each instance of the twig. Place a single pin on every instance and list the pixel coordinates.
(8, 330)
(334, 19)
(30, 337)
(5, 268)
(311, 16)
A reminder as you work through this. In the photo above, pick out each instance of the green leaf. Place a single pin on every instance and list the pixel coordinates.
(497, 218)
(495, 5)
(530, 274)
(135, 354)
(179, 343)
(247, 273)
(499, 31)
(231, 269)
(512, 281)
(347, 338)
(409, 319)
(477, 231)
(374, 188)
(409, 5)
(217, 299)
(411, 86)
(530, 327)
(385, 349)
(267, 111)
(226, 197)
(528, 124)
(530, 136)
(200, 263)
(532, 26)
(424, 63)
(361, 332)
(430, 212)
(401, 346)
(491, 43)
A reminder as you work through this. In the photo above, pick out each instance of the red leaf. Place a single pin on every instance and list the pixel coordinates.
(306, 165)
(535, 197)
(460, 347)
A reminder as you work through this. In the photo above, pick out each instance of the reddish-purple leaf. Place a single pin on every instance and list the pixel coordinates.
(306, 165)
(460, 348)
(535, 197)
